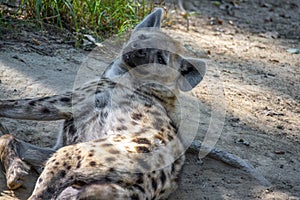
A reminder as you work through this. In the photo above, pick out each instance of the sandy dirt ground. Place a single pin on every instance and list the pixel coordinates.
(247, 45)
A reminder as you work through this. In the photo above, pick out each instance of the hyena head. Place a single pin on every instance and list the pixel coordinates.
(153, 58)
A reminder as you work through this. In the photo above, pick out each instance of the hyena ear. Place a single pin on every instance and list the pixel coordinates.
(192, 72)
(151, 21)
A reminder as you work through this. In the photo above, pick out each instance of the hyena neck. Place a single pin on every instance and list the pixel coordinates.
(117, 72)
(168, 98)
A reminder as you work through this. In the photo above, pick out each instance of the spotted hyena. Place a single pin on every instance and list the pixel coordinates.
(119, 140)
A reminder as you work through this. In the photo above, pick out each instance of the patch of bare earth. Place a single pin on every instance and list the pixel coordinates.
(247, 48)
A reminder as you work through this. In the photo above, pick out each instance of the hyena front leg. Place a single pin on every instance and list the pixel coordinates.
(55, 107)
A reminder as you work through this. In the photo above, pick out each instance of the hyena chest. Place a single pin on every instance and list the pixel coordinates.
(124, 112)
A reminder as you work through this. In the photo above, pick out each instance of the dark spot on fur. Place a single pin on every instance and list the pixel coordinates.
(75, 138)
(78, 165)
(140, 178)
(154, 184)
(65, 99)
(163, 177)
(155, 112)
(147, 104)
(173, 168)
(68, 167)
(143, 130)
(136, 116)
(45, 110)
(122, 137)
(142, 149)
(53, 160)
(91, 153)
(90, 90)
(40, 180)
(32, 103)
(113, 151)
(43, 99)
(122, 120)
(141, 141)
(104, 114)
(100, 140)
(93, 163)
(62, 173)
(110, 159)
(121, 128)
(170, 137)
(173, 125)
(78, 157)
(53, 101)
(56, 163)
(139, 187)
(134, 123)
(106, 145)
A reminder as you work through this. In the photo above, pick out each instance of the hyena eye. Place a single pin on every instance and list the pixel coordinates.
(141, 53)
(160, 58)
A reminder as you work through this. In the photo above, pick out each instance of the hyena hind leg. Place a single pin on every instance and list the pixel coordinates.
(231, 160)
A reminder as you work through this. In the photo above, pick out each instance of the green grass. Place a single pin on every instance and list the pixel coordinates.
(102, 18)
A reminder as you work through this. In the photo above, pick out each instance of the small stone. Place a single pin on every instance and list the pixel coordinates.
(293, 51)
(279, 152)
(281, 166)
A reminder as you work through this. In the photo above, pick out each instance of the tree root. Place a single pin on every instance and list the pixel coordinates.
(16, 169)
